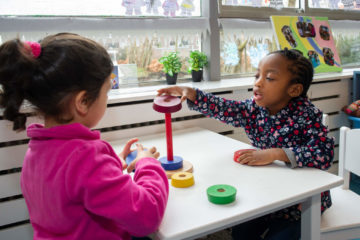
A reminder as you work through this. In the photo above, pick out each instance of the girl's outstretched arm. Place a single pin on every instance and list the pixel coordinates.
(227, 111)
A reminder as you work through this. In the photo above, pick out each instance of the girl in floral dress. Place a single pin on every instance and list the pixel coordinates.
(281, 123)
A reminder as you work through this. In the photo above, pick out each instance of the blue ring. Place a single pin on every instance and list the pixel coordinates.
(131, 157)
(171, 165)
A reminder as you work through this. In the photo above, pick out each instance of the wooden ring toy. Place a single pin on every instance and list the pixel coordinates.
(182, 179)
(170, 165)
(221, 194)
(131, 157)
(167, 104)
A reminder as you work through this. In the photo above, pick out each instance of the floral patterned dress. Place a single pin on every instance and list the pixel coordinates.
(297, 127)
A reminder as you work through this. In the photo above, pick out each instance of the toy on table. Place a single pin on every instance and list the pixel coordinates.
(239, 152)
(221, 194)
(182, 179)
(172, 164)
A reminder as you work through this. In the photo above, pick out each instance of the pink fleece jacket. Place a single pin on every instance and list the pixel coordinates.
(74, 187)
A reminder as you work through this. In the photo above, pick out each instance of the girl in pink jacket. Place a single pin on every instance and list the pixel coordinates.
(73, 181)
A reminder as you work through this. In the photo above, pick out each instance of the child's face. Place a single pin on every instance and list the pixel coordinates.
(98, 107)
(272, 83)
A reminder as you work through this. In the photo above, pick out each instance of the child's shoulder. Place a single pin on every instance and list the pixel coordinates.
(92, 153)
(98, 145)
(305, 108)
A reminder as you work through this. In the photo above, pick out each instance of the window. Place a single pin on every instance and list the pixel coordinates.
(335, 4)
(258, 9)
(135, 40)
(243, 44)
(245, 39)
(234, 34)
(347, 38)
(135, 8)
(262, 3)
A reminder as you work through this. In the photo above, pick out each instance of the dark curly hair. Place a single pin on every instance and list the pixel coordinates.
(300, 67)
(68, 64)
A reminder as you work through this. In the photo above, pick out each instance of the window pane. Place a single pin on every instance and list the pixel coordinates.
(263, 3)
(347, 38)
(243, 47)
(136, 53)
(168, 8)
(335, 4)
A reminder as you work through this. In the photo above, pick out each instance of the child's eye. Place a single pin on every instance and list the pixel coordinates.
(269, 79)
(257, 76)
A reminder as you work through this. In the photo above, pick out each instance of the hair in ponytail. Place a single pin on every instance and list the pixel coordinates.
(68, 64)
(17, 66)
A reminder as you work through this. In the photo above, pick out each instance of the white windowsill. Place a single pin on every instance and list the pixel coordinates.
(146, 93)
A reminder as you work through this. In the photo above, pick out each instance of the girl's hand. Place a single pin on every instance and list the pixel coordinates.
(126, 151)
(184, 92)
(141, 153)
(260, 157)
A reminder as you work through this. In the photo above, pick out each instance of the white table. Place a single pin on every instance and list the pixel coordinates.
(260, 190)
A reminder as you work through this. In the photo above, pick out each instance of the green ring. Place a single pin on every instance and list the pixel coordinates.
(221, 194)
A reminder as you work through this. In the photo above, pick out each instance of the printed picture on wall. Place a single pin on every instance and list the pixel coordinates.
(310, 35)
(115, 78)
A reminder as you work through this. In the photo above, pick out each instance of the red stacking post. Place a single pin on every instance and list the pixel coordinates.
(169, 144)
(168, 104)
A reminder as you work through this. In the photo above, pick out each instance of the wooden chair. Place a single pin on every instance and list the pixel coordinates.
(342, 220)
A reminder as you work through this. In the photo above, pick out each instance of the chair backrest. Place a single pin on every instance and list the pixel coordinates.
(325, 120)
(349, 154)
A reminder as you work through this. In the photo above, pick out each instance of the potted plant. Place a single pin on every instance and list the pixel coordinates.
(197, 61)
(172, 65)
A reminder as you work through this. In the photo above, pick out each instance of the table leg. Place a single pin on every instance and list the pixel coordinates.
(311, 218)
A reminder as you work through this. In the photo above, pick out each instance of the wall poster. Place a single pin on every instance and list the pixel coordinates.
(310, 35)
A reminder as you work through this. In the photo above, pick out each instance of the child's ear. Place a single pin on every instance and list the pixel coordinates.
(81, 103)
(295, 90)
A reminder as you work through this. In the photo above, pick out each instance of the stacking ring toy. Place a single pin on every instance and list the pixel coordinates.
(131, 157)
(221, 194)
(168, 104)
(182, 179)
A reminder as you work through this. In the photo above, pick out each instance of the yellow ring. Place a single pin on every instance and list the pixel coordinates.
(182, 179)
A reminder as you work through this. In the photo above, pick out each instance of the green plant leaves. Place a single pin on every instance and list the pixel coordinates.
(197, 61)
(171, 62)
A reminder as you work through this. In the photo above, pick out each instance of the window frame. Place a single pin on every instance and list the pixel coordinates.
(262, 13)
(259, 13)
(332, 14)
